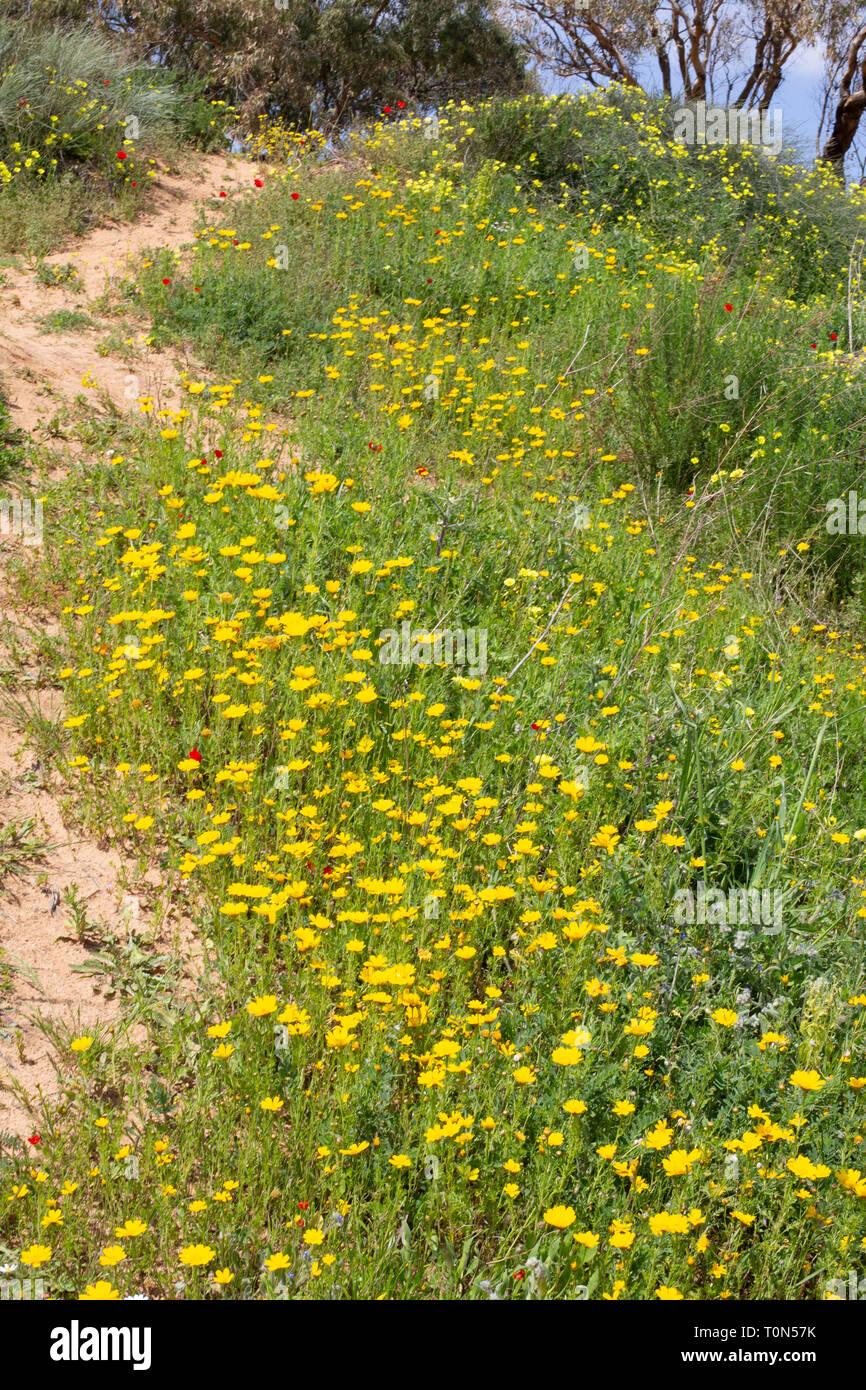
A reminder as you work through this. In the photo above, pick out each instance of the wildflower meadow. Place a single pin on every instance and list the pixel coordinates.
(466, 654)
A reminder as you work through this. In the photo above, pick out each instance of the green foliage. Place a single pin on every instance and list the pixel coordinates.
(73, 97)
(65, 321)
(11, 439)
(80, 123)
(712, 391)
(311, 62)
(616, 151)
(452, 395)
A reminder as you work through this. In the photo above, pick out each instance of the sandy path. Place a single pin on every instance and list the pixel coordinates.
(42, 370)
(41, 374)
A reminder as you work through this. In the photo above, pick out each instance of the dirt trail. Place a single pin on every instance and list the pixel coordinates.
(43, 370)
(41, 376)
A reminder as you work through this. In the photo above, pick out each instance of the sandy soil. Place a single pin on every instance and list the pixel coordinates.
(42, 374)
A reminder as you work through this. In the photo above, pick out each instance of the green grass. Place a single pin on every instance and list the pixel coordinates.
(450, 1014)
(65, 321)
(11, 440)
(83, 130)
(54, 275)
(19, 847)
(698, 382)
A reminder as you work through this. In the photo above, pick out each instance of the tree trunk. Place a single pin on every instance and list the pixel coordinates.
(841, 138)
(664, 60)
(849, 109)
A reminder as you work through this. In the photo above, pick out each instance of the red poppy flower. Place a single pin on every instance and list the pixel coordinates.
(296, 196)
(813, 345)
(401, 104)
(166, 282)
(106, 81)
(198, 291)
(195, 755)
(520, 1274)
(429, 281)
(35, 1139)
(299, 1221)
(422, 472)
(833, 337)
(121, 154)
(302, 1206)
(135, 185)
(223, 195)
(327, 870)
(729, 308)
(219, 453)
(536, 726)
(387, 110)
(259, 183)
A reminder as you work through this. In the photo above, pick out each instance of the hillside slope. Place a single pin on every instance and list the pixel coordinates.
(470, 643)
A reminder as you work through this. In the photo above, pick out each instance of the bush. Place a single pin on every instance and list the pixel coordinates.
(72, 98)
(615, 151)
